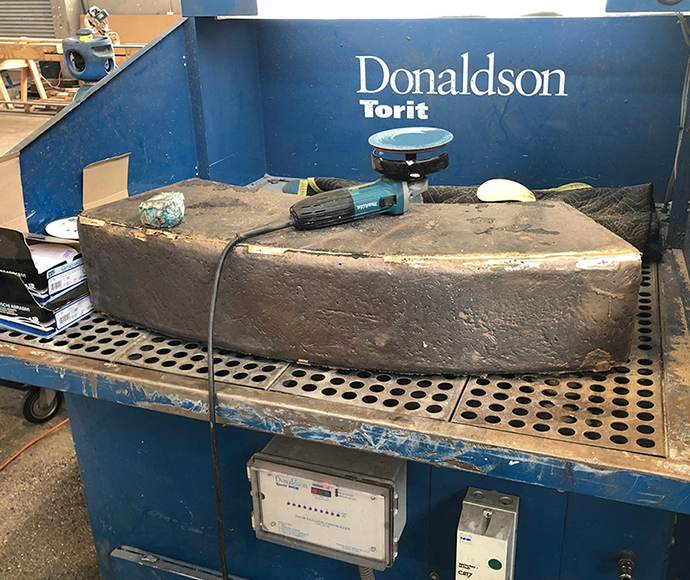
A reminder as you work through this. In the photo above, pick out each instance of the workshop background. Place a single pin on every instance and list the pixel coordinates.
(233, 99)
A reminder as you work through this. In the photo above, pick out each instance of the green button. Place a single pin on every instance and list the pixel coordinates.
(495, 564)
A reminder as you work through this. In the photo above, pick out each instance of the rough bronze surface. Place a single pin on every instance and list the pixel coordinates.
(443, 289)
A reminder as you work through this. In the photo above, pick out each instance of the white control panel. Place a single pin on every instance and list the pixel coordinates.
(336, 502)
(487, 535)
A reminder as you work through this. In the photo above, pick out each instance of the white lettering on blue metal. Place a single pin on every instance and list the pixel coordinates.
(375, 76)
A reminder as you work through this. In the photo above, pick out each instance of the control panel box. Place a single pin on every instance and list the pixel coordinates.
(487, 535)
(341, 503)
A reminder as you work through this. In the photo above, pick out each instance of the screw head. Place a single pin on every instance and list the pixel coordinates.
(477, 495)
(505, 500)
(373, 548)
(273, 524)
(433, 576)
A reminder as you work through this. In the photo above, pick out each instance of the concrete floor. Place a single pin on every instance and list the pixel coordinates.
(44, 526)
(14, 127)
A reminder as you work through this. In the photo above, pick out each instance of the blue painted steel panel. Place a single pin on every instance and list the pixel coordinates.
(159, 467)
(219, 8)
(231, 100)
(597, 531)
(617, 125)
(646, 6)
(143, 108)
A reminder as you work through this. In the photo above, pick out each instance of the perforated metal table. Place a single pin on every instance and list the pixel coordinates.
(561, 431)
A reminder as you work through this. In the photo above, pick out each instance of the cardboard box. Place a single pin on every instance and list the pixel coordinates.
(22, 311)
(42, 278)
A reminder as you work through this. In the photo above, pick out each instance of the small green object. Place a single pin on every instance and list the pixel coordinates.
(495, 564)
(163, 210)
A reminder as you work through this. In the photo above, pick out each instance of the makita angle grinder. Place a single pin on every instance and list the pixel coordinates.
(403, 181)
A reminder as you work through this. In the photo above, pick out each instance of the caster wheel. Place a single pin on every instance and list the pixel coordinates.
(41, 405)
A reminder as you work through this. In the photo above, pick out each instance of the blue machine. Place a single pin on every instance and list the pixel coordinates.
(544, 101)
(88, 58)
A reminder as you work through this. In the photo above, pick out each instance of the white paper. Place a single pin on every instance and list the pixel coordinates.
(47, 256)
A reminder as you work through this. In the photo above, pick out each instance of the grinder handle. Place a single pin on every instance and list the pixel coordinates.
(323, 209)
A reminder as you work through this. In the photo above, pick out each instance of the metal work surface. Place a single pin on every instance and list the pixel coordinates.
(655, 476)
(622, 408)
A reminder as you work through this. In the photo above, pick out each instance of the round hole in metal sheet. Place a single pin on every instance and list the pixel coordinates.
(618, 426)
(568, 419)
(397, 392)
(595, 410)
(644, 346)
(621, 370)
(108, 351)
(152, 360)
(644, 322)
(645, 393)
(222, 373)
(621, 380)
(369, 399)
(503, 385)
(620, 402)
(643, 338)
(299, 373)
(592, 435)
(356, 384)
(422, 394)
(645, 404)
(445, 386)
(363, 374)
(546, 404)
(540, 427)
(645, 372)
(232, 363)
(117, 332)
(333, 381)
(621, 391)
(197, 357)
(497, 408)
(180, 354)
(573, 396)
(174, 342)
(434, 408)
(645, 362)
(500, 396)
(120, 343)
(74, 335)
(645, 429)
(571, 407)
(596, 399)
(383, 378)
(91, 348)
(646, 443)
(424, 383)
(645, 382)
(474, 403)
(289, 383)
(620, 413)
(478, 392)
(412, 405)
(168, 363)
(315, 377)
(549, 392)
(520, 411)
(598, 377)
(439, 397)
(309, 388)
(552, 382)
(349, 395)
(529, 379)
(593, 422)
(574, 385)
(493, 419)
(240, 376)
(644, 315)
(618, 439)
(186, 367)
(376, 388)
(567, 431)
(483, 382)
(134, 356)
(644, 293)
(468, 415)
(107, 340)
(544, 416)
(523, 400)
(259, 378)
(403, 381)
(597, 388)
(645, 416)
(391, 403)
(202, 370)
(526, 389)
(158, 339)
(516, 423)
(330, 391)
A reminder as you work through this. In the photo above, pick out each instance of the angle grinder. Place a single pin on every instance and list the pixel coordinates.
(403, 182)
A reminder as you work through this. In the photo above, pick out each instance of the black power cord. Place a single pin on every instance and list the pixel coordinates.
(272, 227)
